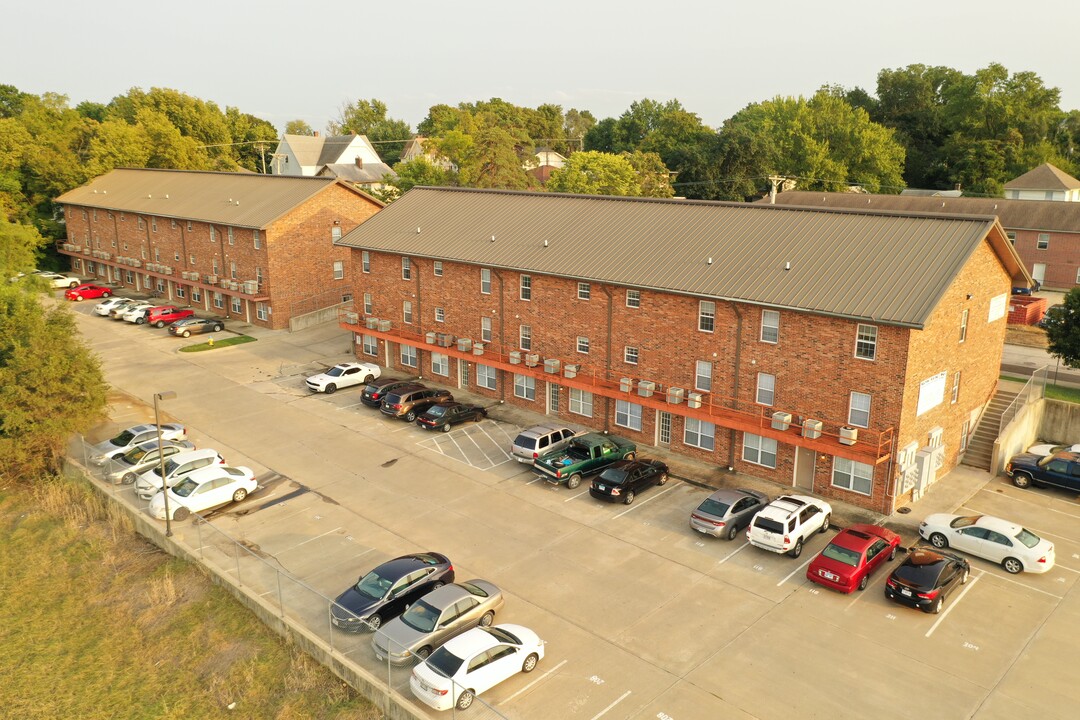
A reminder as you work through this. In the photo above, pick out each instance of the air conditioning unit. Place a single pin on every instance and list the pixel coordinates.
(515, 357)
(693, 400)
(444, 339)
(781, 420)
(478, 349)
(251, 287)
(384, 326)
(168, 271)
(429, 338)
(571, 370)
(224, 283)
(135, 262)
(626, 384)
(212, 279)
(675, 395)
(464, 344)
(233, 285)
(352, 318)
(371, 323)
(848, 435)
(811, 429)
(532, 359)
(551, 365)
(645, 388)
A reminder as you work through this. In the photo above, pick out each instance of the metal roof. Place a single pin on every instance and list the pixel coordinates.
(885, 267)
(1044, 177)
(238, 199)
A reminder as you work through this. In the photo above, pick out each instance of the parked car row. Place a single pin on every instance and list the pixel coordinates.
(181, 321)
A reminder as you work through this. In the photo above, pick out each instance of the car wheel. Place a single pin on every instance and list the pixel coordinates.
(423, 653)
(410, 416)
(487, 619)
(464, 700)
(369, 379)
(106, 294)
(797, 550)
(77, 298)
(965, 576)
(330, 389)
(573, 481)
(892, 554)
(181, 513)
(629, 497)
(73, 285)
(374, 623)
(732, 531)
(446, 427)
(239, 495)
(663, 479)
(825, 525)
(140, 321)
(862, 583)
(1012, 565)
(935, 606)
(159, 324)
(1022, 480)
(630, 456)
(128, 478)
(186, 333)
(218, 328)
(530, 663)
(438, 584)
(939, 541)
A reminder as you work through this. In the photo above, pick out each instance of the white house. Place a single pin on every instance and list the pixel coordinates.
(1045, 182)
(308, 154)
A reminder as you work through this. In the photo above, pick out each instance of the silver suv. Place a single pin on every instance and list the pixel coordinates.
(786, 523)
(534, 442)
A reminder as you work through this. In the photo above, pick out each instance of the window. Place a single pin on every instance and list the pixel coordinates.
(219, 300)
(232, 270)
(485, 281)
(213, 234)
(232, 238)
(525, 387)
(141, 223)
(1043, 242)
(408, 356)
(526, 287)
(236, 307)
(180, 292)
(630, 355)
(866, 342)
(371, 345)
(1011, 236)
(369, 306)
(406, 312)
(699, 434)
(188, 222)
(581, 402)
(406, 268)
(854, 476)
(633, 298)
(963, 325)
(859, 410)
(153, 222)
(191, 258)
(965, 432)
(124, 219)
(584, 291)
(215, 266)
(258, 276)
(703, 376)
(485, 376)
(583, 345)
(157, 255)
(955, 388)
(176, 253)
(525, 337)
(255, 239)
(196, 295)
(437, 268)
(365, 261)
(627, 415)
(440, 364)
(485, 329)
(766, 388)
(440, 314)
(770, 326)
(339, 270)
(335, 234)
(706, 316)
(759, 450)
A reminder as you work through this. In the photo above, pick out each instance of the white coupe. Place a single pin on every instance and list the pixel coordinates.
(1013, 547)
(343, 375)
(204, 490)
(58, 280)
(1049, 449)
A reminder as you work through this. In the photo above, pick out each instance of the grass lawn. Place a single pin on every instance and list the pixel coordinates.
(225, 342)
(95, 622)
(1061, 392)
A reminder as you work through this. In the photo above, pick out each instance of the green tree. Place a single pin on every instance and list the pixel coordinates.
(1063, 330)
(494, 159)
(11, 101)
(596, 173)
(577, 124)
(368, 117)
(298, 127)
(118, 144)
(653, 177)
(253, 138)
(419, 171)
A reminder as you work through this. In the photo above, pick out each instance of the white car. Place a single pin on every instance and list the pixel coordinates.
(204, 490)
(176, 468)
(787, 523)
(1049, 449)
(991, 538)
(118, 312)
(58, 280)
(126, 468)
(137, 435)
(473, 662)
(136, 313)
(343, 375)
(107, 305)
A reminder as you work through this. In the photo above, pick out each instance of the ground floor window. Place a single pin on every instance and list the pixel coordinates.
(627, 415)
(440, 364)
(76, 264)
(525, 387)
(219, 300)
(699, 433)
(408, 356)
(130, 277)
(581, 402)
(485, 376)
(854, 476)
(236, 307)
(371, 345)
(262, 311)
(180, 292)
(196, 295)
(759, 450)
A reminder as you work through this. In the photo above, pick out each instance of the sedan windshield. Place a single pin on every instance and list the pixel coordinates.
(436, 411)
(1028, 538)
(135, 455)
(335, 371)
(123, 439)
(714, 507)
(613, 476)
(185, 488)
(444, 662)
(841, 554)
(421, 616)
(373, 586)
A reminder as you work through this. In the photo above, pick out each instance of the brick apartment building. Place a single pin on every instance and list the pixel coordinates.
(844, 352)
(1046, 233)
(257, 248)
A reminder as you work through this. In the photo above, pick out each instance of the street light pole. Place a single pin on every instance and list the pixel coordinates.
(167, 395)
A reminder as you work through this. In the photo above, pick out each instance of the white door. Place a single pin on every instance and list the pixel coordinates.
(1038, 272)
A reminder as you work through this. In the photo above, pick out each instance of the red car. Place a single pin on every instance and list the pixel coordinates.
(848, 560)
(87, 291)
(167, 315)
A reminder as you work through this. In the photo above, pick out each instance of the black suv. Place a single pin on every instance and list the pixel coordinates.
(409, 401)
(1062, 470)
(375, 391)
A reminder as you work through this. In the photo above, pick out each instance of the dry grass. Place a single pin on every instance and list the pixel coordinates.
(97, 623)
(1025, 335)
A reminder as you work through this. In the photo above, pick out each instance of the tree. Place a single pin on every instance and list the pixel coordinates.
(252, 139)
(298, 127)
(494, 160)
(595, 173)
(576, 124)
(653, 177)
(368, 117)
(419, 171)
(1063, 330)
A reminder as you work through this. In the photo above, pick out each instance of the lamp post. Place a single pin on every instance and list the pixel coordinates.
(167, 395)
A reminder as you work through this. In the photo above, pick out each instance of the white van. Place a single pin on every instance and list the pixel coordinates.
(149, 483)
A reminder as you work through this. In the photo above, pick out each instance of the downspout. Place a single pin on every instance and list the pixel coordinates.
(735, 384)
(420, 322)
(116, 239)
(607, 358)
(502, 323)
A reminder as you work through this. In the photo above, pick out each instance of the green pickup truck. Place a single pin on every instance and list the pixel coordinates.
(585, 455)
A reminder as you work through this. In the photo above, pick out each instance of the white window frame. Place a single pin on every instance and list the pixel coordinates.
(699, 434)
(339, 270)
(759, 450)
(633, 298)
(770, 326)
(486, 376)
(219, 301)
(485, 329)
(765, 389)
(525, 337)
(436, 268)
(703, 372)
(369, 304)
(963, 325)
(955, 388)
(584, 291)
(581, 402)
(408, 356)
(365, 261)
(524, 387)
(235, 305)
(440, 364)
(406, 268)
(406, 312)
(256, 240)
(630, 355)
(440, 314)
(232, 237)
(370, 345)
(335, 234)
(525, 287)
(583, 345)
(1043, 241)
(628, 415)
(706, 316)
(859, 405)
(485, 281)
(869, 341)
(848, 474)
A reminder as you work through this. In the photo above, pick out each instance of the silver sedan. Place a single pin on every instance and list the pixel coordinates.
(726, 512)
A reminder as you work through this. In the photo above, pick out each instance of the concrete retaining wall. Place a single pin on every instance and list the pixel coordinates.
(1045, 420)
(325, 315)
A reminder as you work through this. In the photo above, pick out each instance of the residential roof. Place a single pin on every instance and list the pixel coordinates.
(319, 150)
(238, 199)
(1044, 177)
(851, 264)
(918, 192)
(349, 172)
(1040, 215)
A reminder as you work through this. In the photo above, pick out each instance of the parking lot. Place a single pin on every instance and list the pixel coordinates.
(643, 618)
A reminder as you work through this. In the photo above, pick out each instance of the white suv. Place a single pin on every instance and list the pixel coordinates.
(787, 523)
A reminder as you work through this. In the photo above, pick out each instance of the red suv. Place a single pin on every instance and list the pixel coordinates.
(167, 315)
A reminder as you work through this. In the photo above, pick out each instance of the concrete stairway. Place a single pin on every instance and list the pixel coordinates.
(981, 443)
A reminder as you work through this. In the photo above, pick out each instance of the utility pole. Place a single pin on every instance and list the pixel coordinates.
(774, 180)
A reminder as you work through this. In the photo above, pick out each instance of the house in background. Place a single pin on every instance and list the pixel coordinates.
(1045, 182)
(416, 147)
(544, 163)
(307, 155)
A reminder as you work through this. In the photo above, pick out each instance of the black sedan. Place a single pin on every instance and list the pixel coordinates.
(375, 391)
(926, 578)
(443, 417)
(623, 480)
(192, 326)
(386, 591)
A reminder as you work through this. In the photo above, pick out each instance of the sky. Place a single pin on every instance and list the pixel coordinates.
(283, 61)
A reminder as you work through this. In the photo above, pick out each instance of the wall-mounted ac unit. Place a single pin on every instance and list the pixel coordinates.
(848, 435)
(251, 287)
(675, 395)
(781, 420)
(478, 349)
(444, 339)
(551, 365)
(811, 429)
(212, 279)
(571, 370)
(168, 271)
(352, 318)
(233, 285)
(532, 359)
(693, 400)
(515, 357)
(384, 326)
(429, 337)
(224, 283)
(645, 388)
(626, 384)
(464, 344)
(371, 323)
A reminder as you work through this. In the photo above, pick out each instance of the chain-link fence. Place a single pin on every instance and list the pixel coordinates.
(348, 637)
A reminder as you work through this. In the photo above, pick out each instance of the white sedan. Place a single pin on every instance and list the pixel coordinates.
(1000, 541)
(204, 490)
(107, 305)
(343, 375)
(1049, 449)
(58, 280)
(473, 662)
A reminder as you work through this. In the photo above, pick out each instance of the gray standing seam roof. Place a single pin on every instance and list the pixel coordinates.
(881, 267)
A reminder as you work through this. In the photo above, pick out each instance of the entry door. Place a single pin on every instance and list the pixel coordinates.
(804, 468)
(1038, 272)
(663, 428)
(463, 374)
(553, 399)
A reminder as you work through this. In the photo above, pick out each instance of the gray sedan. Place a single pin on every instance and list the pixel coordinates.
(726, 512)
(125, 468)
(435, 618)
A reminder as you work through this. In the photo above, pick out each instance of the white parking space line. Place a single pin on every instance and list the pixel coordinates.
(573, 497)
(491, 462)
(733, 553)
(1023, 585)
(305, 542)
(1035, 530)
(526, 688)
(604, 711)
(795, 572)
(497, 443)
(952, 605)
(1044, 507)
(645, 502)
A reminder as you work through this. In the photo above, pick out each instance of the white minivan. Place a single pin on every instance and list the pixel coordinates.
(149, 483)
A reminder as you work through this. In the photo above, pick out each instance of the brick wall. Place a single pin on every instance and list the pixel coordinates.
(1061, 256)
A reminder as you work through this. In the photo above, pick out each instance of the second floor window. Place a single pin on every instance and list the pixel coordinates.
(706, 316)
(485, 329)
(526, 287)
(406, 312)
(703, 375)
(339, 270)
(525, 337)
(770, 326)
(859, 411)
(406, 268)
(485, 281)
(766, 388)
(369, 305)
(866, 342)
